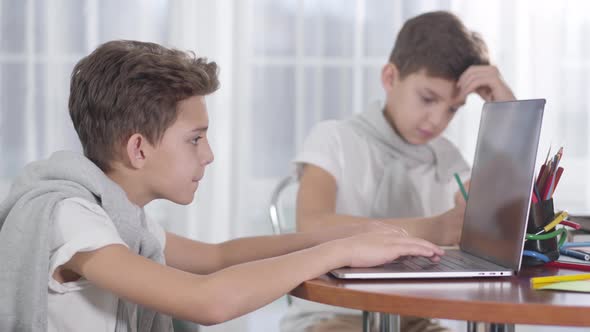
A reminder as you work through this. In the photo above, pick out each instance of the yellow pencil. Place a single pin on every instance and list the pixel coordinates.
(551, 279)
(553, 223)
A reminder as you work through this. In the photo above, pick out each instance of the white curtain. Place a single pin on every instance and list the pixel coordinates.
(40, 41)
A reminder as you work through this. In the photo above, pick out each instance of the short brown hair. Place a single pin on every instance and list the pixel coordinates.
(439, 43)
(126, 87)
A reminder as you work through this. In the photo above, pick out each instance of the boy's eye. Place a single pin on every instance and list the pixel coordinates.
(427, 100)
(195, 140)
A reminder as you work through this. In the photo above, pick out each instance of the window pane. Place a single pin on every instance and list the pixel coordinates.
(273, 121)
(576, 135)
(40, 28)
(60, 18)
(577, 30)
(69, 20)
(133, 19)
(329, 28)
(65, 134)
(328, 94)
(338, 96)
(12, 133)
(40, 107)
(380, 27)
(574, 112)
(417, 7)
(312, 77)
(372, 89)
(12, 23)
(274, 27)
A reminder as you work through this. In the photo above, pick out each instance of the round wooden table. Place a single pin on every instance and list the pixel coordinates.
(508, 300)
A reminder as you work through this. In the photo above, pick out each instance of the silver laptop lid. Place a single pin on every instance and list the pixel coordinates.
(502, 181)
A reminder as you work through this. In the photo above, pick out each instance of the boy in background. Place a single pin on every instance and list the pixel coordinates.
(77, 251)
(390, 162)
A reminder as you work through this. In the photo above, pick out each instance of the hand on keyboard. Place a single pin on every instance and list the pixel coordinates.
(376, 248)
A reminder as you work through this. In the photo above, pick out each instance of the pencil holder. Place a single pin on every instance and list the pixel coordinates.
(541, 214)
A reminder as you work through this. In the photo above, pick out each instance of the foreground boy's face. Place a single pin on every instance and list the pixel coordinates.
(421, 106)
(178, 162)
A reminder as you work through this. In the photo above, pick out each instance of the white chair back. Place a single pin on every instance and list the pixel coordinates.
(282, 206)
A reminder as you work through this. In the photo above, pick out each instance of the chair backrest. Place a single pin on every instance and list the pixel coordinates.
(282, 205)
(282, 209)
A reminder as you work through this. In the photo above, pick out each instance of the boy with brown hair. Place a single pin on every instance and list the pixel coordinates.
(390, 162)
(77, 251)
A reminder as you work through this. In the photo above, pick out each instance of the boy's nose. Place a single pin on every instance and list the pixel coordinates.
(208, 156)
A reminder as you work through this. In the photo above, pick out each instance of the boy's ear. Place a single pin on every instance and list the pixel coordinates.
(389, 74)
(136, 149)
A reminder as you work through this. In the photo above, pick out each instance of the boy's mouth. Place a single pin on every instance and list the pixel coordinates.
(425, 133)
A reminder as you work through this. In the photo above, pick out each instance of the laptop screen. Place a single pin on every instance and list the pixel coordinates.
(501, 181)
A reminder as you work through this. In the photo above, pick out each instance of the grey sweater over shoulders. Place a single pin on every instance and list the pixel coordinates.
(26, 217)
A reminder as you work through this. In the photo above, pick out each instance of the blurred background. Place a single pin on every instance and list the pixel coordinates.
(285, 65)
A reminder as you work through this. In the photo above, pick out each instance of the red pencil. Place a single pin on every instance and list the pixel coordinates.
(557, 177)
(540, 177)
(568, 265)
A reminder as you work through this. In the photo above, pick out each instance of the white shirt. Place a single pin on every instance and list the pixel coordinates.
(78, 226)
(357, 164)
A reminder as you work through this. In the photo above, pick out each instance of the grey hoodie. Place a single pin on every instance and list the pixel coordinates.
(440, 153)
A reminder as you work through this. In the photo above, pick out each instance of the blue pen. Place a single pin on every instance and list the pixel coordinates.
(575, 254)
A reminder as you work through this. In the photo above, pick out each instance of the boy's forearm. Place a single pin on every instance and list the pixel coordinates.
(260, 247)
(209, 299)
(243, 288)
(417, 227)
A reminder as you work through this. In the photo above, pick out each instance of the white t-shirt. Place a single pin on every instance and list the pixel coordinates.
(80, 225)
(358, 164)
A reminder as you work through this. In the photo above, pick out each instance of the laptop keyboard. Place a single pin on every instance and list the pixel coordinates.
(453, 260)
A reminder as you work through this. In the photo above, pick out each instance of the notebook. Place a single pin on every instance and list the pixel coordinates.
(497, 209)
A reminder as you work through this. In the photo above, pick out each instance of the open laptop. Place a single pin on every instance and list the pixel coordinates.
(497, 209)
